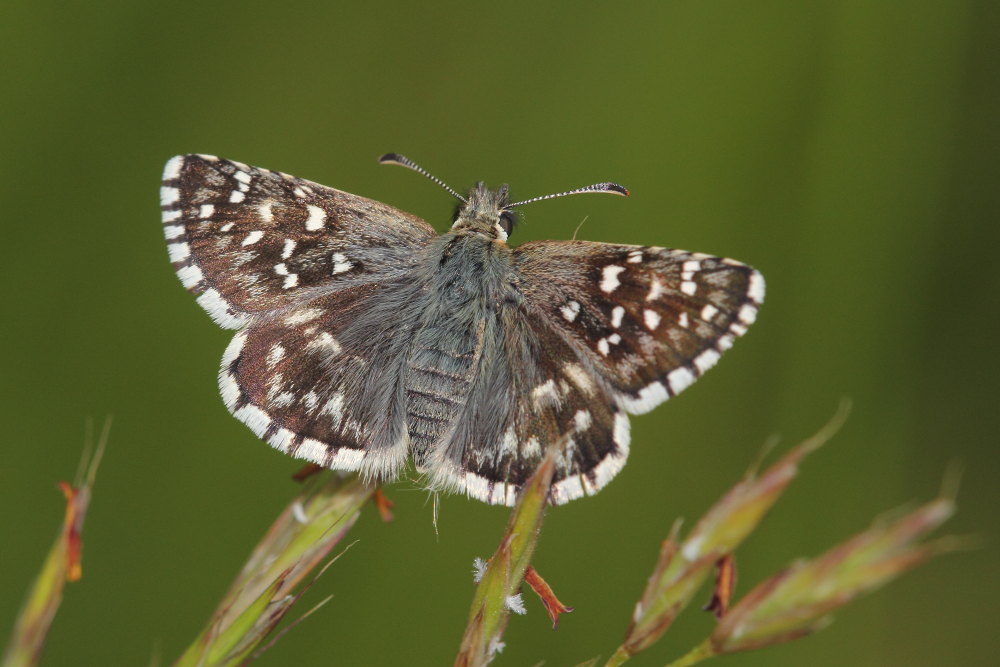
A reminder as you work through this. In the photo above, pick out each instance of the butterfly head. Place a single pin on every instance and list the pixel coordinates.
(485, 212)
(489, 212)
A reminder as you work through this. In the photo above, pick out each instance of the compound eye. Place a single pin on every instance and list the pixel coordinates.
(507, 220)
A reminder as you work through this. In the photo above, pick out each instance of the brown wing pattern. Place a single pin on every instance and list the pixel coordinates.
(250, 240)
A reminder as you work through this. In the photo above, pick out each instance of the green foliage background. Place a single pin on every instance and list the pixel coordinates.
(848, 149)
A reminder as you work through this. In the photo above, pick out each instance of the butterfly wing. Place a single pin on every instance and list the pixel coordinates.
(531, 391)
(600, 330)
(250, 240)
(648, 321)
(322, 381)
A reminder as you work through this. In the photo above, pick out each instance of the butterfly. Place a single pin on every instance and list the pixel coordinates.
(365, 339)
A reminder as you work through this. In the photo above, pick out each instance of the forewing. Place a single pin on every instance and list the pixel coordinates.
(647, 321)
(321, 381)
(250, 240)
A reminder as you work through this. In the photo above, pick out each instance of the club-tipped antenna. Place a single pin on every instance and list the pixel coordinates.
(403, 161)
(612, 188)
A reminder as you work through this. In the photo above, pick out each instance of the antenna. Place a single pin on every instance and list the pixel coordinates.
(403, 161)
(612, 188)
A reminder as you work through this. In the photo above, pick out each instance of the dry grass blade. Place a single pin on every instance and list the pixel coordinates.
(497, 592)
(63, 563)
(270, 581)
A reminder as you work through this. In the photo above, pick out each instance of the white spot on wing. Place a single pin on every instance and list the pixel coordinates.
(607, 469)
(335, 407)
(253, 237)
(206, 211)
(219, 310)
(656, 290)
(747, 314)
(325, 341)
(178, 251)
(168, 195)
(604, 344)
(609, 277)
(756, 289)
(579, 377)
(708, 312)
(255, 418)
(275, 354)
(266, 214)
(649, 397)
(650, 318)
(545, 393)
(289, 248)
(497, 497)
(282, 440)
(680, 379)
(508, 445)
(284, 399)
(689, 287)
(476, 486)
(235, 197)
(173, 167)
(683, 320)
(344, 459)
(570, 310)
(509, 500)
(173, 231)
(567, 490)
(621, 435)
(229, 389)
(691, 265)
(616, 316)
(317, 217)
(291, 279)
(301, 316)
(170, 216)
(706, 360)
(190, 276)
(242, 177)
(234, 348)
(532, 448)
(582, 420)
(341, 263)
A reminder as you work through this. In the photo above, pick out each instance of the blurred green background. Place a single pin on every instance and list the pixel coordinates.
(848, 149)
